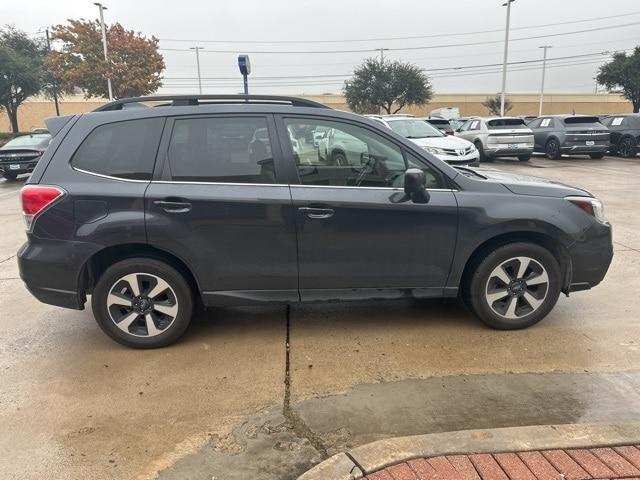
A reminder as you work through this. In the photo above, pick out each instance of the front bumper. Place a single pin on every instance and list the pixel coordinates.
(591, 257)
(472, 159)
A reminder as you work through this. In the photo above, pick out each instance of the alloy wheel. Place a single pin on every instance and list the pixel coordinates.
(553, 150)
(142, 304)
(625, 149)
(517, 287)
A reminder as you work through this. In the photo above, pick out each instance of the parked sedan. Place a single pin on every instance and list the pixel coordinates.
(498, 137)
(625, 134)
(570, 134)
(453, 150)
(21, 154)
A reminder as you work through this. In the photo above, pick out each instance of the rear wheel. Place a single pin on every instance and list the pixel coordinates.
(515, 286)
(524, 158)
(142, 303)
(10, 176)
(552, 149)
(627, 147)
(596, 156)
(481, 155)
(339, 159)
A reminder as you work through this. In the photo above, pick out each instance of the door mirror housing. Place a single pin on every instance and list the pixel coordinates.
(415, 185)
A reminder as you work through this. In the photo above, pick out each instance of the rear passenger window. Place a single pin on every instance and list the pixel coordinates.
(123, 149)
(221, 149)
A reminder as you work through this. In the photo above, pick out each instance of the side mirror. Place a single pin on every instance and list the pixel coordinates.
(415, 185)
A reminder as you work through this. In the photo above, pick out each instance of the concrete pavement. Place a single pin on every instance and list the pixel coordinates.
(75, 405)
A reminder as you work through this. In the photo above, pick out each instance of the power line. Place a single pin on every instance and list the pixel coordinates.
(423, 47)
(383, 39)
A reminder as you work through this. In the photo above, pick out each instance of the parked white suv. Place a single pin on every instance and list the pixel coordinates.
(453, 150)
(498, 137)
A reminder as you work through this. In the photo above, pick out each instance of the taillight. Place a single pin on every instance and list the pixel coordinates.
(36, 199)
(589, 205)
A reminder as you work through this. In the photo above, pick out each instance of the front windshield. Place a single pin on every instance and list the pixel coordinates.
(411, 128)
(28, 141)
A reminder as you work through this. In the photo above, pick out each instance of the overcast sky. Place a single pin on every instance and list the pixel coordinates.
(226, 28)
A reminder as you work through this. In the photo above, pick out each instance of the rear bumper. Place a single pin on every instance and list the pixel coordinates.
(590, 258)
(51, 271)
(584, 149)
(25, 167)
(504, 151)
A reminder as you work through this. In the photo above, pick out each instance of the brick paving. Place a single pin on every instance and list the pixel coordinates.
(571, 464)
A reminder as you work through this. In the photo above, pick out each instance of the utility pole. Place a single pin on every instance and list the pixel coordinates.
(53, 80)
(596, 88)
(381, 50)
(544, 68)
(104, 45)
(506, 53)
(197, 50)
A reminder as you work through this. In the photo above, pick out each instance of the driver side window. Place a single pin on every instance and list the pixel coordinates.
(340, 154)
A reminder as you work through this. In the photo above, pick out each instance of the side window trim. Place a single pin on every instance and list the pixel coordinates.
(162, 173)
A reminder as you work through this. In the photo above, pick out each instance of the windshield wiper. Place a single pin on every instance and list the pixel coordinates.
(467, 170)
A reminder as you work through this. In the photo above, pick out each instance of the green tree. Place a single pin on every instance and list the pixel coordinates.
(135, 65)
(21, 70)
(623, 73)
(493, 104)
(391, 85)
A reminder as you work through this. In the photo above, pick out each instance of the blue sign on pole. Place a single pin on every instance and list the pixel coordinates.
(245, 69)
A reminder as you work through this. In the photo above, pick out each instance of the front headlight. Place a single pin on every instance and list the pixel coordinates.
(433, 150)
(472, 148)
(589, 205)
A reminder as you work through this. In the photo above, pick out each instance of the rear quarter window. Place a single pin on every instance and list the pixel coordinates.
(121, 149)
(506, 123)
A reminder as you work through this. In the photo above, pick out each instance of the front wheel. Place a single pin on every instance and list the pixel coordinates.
(142, 303)
(482, 157)
(596, 156)
(339, 159)
(515, 286)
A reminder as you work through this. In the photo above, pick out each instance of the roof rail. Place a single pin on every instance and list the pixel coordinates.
(185, 100)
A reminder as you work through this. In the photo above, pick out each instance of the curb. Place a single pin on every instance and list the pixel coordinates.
(360, 461)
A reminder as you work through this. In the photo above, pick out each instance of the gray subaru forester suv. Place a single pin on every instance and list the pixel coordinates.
(205, 200)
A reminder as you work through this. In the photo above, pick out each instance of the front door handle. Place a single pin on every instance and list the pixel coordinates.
(317, 213)
(170, 206)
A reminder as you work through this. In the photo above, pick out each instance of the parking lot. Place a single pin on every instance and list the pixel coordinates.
(231, 401)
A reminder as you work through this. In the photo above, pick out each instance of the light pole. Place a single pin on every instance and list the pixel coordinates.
(102, 8)
(55, 87)
(544, 67)
(197, 50)
(506, 53)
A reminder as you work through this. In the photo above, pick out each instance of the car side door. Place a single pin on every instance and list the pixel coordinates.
(218, 203)
(359, 236)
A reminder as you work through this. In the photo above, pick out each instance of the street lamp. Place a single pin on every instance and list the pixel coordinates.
(506, 51)
(102, 8)
(544, 68)
(197, 50)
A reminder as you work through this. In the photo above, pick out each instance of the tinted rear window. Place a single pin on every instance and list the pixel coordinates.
(506, 123)
(123, 149)
(580, 120)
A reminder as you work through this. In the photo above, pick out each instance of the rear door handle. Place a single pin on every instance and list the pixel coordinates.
(170, 206)
(317, 213)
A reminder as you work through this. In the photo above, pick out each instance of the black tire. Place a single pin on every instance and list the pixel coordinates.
(181, 293)
(482, 157)
(596, 156)
(476, 289)
(524, 158)
(11, 177)
(339, 159)
(552, 149)
(627, 147)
